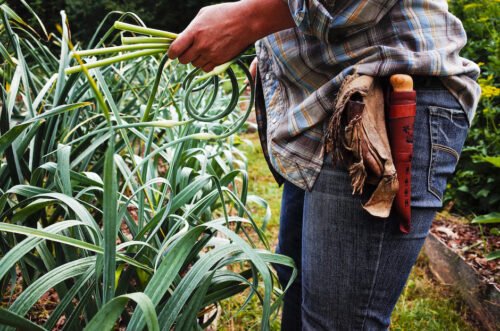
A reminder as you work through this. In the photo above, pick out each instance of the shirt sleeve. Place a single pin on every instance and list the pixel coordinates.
(332, 20)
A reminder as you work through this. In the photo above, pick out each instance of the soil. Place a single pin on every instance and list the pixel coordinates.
(472, 243)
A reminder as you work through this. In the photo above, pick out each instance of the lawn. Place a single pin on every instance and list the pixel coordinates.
(424, 304)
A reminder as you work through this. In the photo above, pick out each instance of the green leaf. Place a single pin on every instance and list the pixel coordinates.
(49, 280)
(85, 281)
(63, 169)
(493, 255)
(80, 211)
(19, 322)
(184, 197)
(58, 111)
(194, 279)
(166, 273)
(11, 135)
(487, 219)
(107, 315)
(63, 59)
(188, 319)
(66, 240)
(494, 160)
(110, 223)
(22, 214)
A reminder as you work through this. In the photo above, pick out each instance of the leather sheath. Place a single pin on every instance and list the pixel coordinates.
(402, 112)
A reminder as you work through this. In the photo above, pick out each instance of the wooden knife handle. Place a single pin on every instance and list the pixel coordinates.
(401, 83)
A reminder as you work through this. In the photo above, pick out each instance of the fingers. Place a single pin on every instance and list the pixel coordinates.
(190, 55)
(204, 64)
(200, 62)
(208, 67)
(180, 45)
(253, 68)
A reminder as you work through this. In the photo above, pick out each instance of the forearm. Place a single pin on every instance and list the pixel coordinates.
(267, 16)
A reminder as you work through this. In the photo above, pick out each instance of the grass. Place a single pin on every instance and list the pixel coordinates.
(428, 305)
(424, 304)
(261, 183)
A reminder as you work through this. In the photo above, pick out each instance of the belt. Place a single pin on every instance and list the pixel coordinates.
(419, 83)
(427, 82)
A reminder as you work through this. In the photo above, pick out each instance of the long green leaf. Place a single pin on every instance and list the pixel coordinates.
(166, 273)
(66, 240)
(110, 223)
(20, 323)
(11, 135)
(52, 278)
(490, 218)
(105, 318)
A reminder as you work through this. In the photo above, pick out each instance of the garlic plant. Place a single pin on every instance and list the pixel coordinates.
(121, 185)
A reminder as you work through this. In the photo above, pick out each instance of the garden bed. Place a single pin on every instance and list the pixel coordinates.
(457, 256)
(472, 245)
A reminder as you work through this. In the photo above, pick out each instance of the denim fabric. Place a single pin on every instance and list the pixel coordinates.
(290, 243)
(354, 266)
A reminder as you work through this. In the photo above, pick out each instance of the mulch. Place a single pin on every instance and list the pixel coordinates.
(472, 243)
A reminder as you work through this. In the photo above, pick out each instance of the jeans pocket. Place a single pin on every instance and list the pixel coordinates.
(448, 130)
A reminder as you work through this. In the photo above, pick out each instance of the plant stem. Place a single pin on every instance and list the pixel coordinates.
(143, 30)
(112, 60)
(117, 49)
(145, 40)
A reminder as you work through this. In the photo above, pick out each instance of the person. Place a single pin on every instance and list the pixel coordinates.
(353, 266)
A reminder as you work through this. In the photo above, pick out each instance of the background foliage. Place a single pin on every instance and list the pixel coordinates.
(475, 186)
(85, 15)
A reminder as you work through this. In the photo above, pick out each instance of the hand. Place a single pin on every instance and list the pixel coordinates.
(221, 32)
(216, 35)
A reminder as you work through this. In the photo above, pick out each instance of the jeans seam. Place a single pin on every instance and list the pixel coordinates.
(431, 156)
(452, 112)
(431, 175)
(375, 276)
(447, 150)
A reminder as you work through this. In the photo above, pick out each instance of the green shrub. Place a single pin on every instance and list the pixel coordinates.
(475, 187)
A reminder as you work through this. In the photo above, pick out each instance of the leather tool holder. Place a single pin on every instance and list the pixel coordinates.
(357, 136)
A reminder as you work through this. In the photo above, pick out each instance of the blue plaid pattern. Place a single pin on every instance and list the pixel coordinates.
(301, 69)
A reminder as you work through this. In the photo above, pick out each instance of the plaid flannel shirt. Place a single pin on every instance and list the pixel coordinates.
(301, 69)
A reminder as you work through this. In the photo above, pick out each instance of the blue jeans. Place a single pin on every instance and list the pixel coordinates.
(353, 266)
